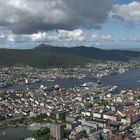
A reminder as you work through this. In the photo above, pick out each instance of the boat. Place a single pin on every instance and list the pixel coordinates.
(138, 81)
(4, 133)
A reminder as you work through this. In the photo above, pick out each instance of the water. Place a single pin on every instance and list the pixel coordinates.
(123, 81)
(129, 80)
(66, 83)
(15, 134)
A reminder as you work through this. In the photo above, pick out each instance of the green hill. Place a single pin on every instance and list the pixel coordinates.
(44, 56)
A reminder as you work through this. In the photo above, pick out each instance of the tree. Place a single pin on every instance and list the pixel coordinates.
(42, 134)
(84, 133)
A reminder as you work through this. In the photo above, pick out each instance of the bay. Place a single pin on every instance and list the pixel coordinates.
(127, 80)
(15, 133)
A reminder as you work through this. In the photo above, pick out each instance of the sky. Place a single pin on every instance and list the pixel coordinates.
(106, 24)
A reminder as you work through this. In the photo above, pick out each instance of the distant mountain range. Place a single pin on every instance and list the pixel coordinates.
(44, 56)
(134, 49)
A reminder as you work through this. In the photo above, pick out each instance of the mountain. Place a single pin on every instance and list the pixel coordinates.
(134, 49)
(44, 56)
(90, 52)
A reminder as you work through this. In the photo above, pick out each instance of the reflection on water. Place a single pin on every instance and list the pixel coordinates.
(15, 134)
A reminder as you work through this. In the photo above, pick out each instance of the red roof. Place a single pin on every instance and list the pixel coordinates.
(56, 86)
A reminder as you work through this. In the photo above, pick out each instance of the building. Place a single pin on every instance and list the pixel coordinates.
(57, 131)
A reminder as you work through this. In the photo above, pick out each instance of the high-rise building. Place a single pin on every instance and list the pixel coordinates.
(57, 131)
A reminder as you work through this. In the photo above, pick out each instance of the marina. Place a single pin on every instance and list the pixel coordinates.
(123, 81)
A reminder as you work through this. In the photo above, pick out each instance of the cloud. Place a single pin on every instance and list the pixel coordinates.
(75, 35)
(132, 39)
(40, 36)
(126, 12)
(61, 37)
(66, 38)
(11, 38)
(31, 16)
(97, 37)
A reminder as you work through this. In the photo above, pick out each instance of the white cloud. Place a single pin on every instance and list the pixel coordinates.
(66, 38)
(132, 39)
(11, 37)
(97, 37)
(40, 36)
(126, 12)
(75, 35)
